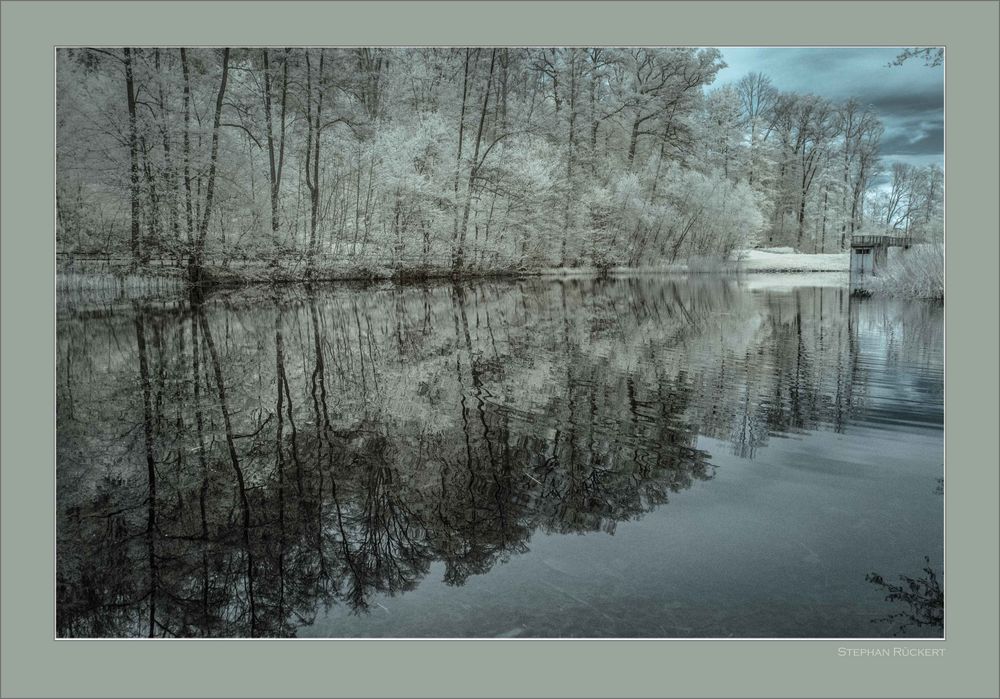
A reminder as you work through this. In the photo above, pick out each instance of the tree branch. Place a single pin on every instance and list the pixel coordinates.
(241, 126)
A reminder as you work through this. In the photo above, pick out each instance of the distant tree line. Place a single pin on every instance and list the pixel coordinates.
(475, 159)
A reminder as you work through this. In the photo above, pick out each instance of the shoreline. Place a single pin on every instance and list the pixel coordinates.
(227, 277)
(245, 272)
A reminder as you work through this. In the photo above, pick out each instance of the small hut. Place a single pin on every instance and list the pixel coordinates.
(869, 254)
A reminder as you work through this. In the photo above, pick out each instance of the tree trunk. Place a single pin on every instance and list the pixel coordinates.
(169, 173)
(570, 155)
(594, 122)
(312, 153)
(458, 258)
(801, 219)
(272, 166)
(133, 148)
(153, 224)
(461, 136)
(633, 141)
(196, 264)
(187, 150)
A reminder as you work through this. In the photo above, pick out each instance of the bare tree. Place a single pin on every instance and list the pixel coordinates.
(275, 163)
(197, 262)
(757, 97)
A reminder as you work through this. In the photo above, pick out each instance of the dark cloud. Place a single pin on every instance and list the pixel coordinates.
(922, 140)
(903, 103)
(909, 99)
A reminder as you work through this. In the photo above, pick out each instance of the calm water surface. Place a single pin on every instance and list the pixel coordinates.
(626, 458)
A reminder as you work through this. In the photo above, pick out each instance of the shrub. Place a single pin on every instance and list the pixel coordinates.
(917, 272)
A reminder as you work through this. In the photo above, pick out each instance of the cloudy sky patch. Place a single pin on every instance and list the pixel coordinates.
(909, 98)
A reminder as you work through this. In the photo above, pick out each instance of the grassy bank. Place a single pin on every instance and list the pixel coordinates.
(787, 260)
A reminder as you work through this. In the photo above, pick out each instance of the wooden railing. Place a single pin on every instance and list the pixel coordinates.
(865, 241)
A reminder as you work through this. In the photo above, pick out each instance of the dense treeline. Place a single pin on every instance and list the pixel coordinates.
(476, 159)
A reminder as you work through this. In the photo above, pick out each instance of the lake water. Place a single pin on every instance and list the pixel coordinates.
(639, 457)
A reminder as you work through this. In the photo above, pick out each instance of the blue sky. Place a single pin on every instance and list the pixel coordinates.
(909, 98)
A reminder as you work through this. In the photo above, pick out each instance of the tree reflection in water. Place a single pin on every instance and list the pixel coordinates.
(232, 466)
